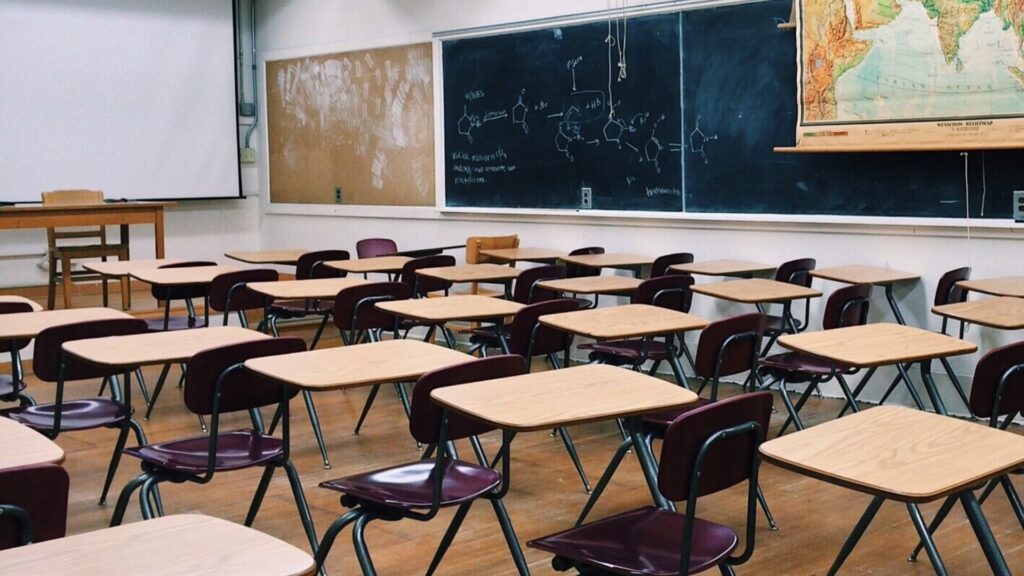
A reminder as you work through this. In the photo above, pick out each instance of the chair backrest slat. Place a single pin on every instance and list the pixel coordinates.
(947, 292)
(49, 342)
(728, 462)
(373, 247)
(661, 263)
(242, 389)
(241, 298)
(422, 285)
(306, 266)
(354, 307)
(577, 271)
(42, 491)
(729, 346)
(847, 306)
(672, 292)
(545, 340)
(991, 369)
(796, 272)
(525, 290)
(14, 308)
(425, 417)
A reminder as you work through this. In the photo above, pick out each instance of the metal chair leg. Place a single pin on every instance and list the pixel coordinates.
(126, 495)
(156, 391)
(366, 408)
(763, 503)
(926, 538)
(301, 504)
(257, 497)
(858, 531)
(115, 459)
(571, 449)
(314, 420)
(510, 537)
(324, 548)
(359, 541)
(449, 536)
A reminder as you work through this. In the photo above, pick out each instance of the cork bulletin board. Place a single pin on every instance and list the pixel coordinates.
(352, 127)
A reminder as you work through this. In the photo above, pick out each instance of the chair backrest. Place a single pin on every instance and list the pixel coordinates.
(847, 306)
(373, 247)
(307, 267)
(525, 290)
(661, 263)
(354, 306)
(474, 244)
(729, 346)
(672, 292)
(14, 308)
(947, 292)
(796, 272)
(1003, 365)
(42, 492)
(727, 462)
(228, 292)
(421, 285)
(577, 271)
(529, 338)
(240, 389)
(73, 198)
(425, 415)
(181, 292)
(47, 353)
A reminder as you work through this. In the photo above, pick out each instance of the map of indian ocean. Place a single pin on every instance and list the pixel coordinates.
(911, 60)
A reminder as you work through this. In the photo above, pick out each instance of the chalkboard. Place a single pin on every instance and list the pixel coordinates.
(529, 122)
(722, 82)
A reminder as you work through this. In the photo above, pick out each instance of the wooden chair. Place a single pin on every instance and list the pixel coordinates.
(64, 253)
(474, 244)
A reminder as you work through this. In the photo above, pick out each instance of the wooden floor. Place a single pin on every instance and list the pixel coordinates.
(814, 517)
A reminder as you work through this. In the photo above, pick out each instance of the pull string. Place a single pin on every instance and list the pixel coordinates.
(967, 202)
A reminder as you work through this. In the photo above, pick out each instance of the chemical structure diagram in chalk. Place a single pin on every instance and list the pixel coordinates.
(699, 141)
(470, 122)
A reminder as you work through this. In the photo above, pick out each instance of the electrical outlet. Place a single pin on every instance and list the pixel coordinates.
(337, 194)
(247, 156)
(1018, 205)
(586, 198)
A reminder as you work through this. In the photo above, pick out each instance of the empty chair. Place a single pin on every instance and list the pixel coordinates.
(33, 504)
(847, 306)
(474, 244)
(997, 391)
(577, 271)
(706, 450)
(309, 266)
(726, 348)
(672, 292)
(796, 272)
(423, 286)
(661, 264)
(374, 247)
(12, 388)
(358, 319)
(65, 254)
(524, 291)
(947, 292)
(229, 293)
(186, 293)
(218, 383)
(418, 490)
(51, 364)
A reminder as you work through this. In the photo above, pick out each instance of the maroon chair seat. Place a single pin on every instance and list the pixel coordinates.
(628, 351)
(82, 414)
(643, 542)
(411, 486)
(802, 366)
(235, 450)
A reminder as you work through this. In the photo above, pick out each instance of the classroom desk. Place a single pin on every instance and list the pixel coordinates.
(875, 275)
(629, 321)
(156, 348)
(282, 257)
(759, 291)
(23, 446)
(895, 453)
(385, 264)
(109, 213)
(621, 261)
(740, 268)
(513, 255)
(873, 345)
(421, 252)
(384, 362)
(576, 395)
(313, 289)
(1002, 312)
(169, 277)
(614, 285)
(177, 544)
(121, 268)
(11, 298)
(469, 307)
(1012, 286)
(27, 324)
(483, 273)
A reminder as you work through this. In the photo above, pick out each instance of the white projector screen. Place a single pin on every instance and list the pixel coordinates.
(132, 97)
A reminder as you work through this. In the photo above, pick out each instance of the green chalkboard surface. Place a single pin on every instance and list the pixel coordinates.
(707, 96)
